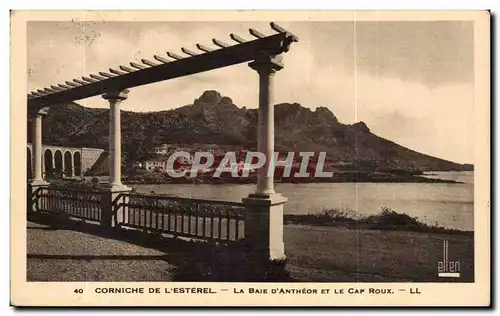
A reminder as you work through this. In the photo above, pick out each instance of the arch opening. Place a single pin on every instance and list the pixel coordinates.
(58, 168)
(77, 163)
(68, 164)
(49, 168)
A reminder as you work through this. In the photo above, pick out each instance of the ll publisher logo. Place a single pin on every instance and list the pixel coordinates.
(447, 268)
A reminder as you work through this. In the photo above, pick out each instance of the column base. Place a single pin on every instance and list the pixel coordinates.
(38, 183)
(113, 188)
(264, 199)
(264, 225)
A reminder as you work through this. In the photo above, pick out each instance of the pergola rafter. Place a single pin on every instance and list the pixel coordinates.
(146, 72)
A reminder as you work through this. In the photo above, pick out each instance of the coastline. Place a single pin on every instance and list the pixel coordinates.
(352, 177)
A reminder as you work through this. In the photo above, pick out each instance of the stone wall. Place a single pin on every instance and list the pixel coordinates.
(89, 157)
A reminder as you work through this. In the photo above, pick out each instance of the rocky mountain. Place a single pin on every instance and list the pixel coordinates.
(215, 119)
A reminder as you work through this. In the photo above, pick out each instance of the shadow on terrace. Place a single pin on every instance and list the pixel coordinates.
(189, 260)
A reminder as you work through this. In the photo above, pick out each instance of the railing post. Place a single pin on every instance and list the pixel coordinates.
(112, 209)
(34, 192)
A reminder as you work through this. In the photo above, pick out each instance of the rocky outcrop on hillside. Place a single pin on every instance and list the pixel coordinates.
(215, 119)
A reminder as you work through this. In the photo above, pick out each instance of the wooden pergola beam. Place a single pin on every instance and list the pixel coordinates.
(69, 83)
(256, 33)
(97, 77)
(188, 52)
(148, 62)
(204, 48)
(117, 72)
(174, 56)
(127, 69)
(227, 55)
(279, 29)
(80, 82)
(37, 94)
(220, 43)
(56, 88)
(237, 38)
(89, 79)
(161, 59)
(136, 65)
(105, 74)
(64, 86)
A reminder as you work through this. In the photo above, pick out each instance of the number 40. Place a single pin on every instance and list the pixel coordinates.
(79, 291)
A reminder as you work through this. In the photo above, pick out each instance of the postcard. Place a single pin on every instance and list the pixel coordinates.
(250, 158)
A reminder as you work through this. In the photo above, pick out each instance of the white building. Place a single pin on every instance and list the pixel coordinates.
(161, 150)
(155, 165)
(160, 163)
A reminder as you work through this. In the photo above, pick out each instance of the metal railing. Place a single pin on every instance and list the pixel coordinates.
(196, 218)
(82, 204)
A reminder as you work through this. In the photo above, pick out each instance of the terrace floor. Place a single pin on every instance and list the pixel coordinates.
(315, 254)
(68, 255)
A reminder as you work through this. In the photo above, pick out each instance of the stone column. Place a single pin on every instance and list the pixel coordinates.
(71, 166)
(53, 169)
(115, 186)
(266, 68)
(115, 151)
(37, 182)
(63, 165)
(264, 215)
(37, 148)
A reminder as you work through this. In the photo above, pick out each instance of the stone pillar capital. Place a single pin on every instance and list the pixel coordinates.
(38, 113)
(116, 96)
(267, 64)
(43, 111)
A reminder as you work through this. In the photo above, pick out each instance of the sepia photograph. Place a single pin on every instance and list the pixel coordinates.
(253, 151)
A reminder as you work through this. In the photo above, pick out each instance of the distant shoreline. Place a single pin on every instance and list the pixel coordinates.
(352, 178)
(159, 179)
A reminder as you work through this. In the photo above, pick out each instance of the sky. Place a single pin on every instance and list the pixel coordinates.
(410, 81)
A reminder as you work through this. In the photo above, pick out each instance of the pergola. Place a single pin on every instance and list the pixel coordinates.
(264, 54)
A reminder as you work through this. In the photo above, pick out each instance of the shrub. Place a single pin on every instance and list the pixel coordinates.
(228, 263)
(386, 219)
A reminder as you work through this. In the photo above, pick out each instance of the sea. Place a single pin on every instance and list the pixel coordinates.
(449, 205)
